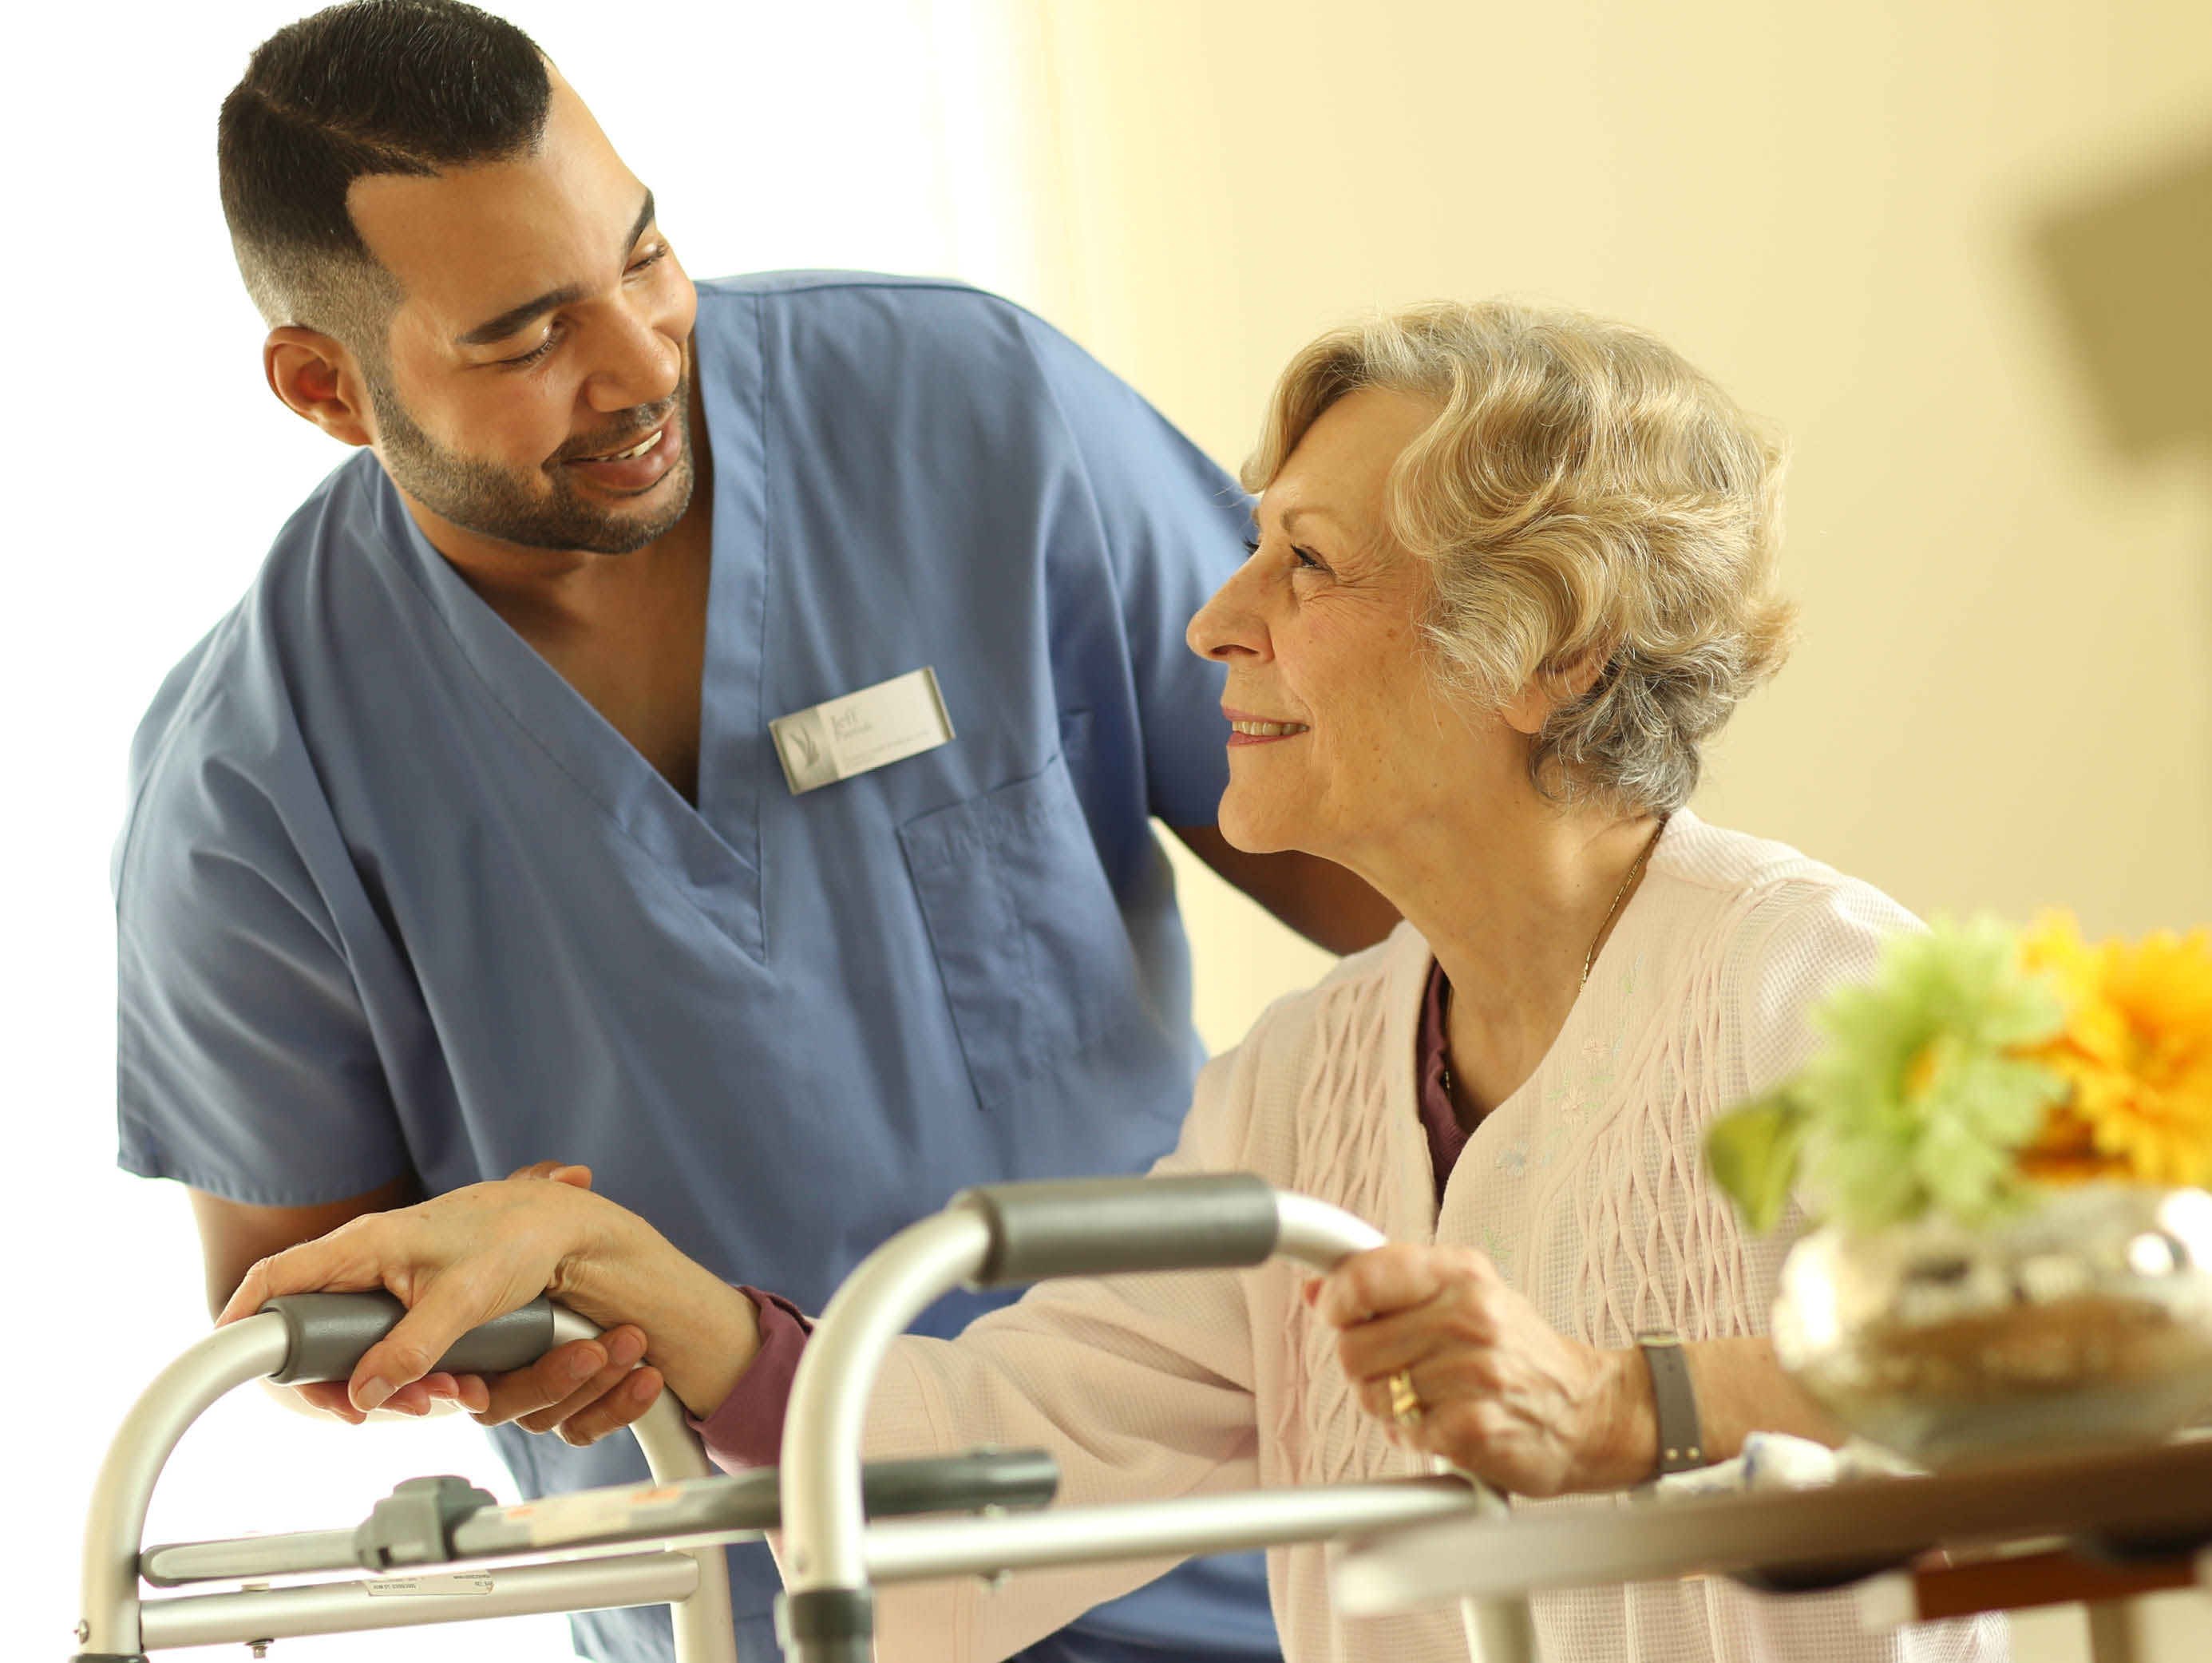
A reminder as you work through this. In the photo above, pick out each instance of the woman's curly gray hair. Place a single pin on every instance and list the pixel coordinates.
(1583, 494)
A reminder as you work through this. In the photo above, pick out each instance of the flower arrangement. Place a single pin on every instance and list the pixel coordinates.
(1981, 1065)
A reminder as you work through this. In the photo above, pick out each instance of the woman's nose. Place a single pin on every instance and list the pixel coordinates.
(1229, 623)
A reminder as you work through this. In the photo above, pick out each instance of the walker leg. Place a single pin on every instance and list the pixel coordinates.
(1500, 1630)
(2112, 1632)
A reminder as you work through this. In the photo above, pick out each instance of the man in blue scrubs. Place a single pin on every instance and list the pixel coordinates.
(465, 842)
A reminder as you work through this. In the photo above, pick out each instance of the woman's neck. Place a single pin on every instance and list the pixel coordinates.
(1514, 902)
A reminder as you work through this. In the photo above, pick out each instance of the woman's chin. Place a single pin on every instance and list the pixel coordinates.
(1251, 833)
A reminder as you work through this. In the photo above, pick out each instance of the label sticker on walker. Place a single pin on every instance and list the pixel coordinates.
(841, 737)
(459, 1582)
(581, 1514)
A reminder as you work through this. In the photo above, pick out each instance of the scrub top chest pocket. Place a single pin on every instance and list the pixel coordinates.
(1028, 934)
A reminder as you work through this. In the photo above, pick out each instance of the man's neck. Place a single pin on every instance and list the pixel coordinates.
(627, 633)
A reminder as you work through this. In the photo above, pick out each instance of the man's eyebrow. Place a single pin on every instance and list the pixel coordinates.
(508, 322)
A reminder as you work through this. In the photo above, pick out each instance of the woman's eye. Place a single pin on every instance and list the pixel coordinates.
(1307, 559)
(1251, 546)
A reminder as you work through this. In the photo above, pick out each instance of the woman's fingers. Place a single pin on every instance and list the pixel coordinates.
(448, 1307)
(330, 1263)
(1393, 1278)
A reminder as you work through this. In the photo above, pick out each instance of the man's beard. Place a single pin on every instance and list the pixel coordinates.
(492, 501)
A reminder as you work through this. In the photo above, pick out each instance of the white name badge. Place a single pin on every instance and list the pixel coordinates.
(841, 737)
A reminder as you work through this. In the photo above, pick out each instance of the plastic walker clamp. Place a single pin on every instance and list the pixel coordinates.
(414, 1524)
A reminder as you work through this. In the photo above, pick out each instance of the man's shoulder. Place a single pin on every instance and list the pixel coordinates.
(222, 717)
(933, 304)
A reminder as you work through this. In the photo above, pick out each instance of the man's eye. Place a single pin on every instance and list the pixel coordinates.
(652, 256)
(552, 338)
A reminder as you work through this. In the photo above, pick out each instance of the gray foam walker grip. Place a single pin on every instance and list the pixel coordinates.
(1103, 1227)
(330, 1333)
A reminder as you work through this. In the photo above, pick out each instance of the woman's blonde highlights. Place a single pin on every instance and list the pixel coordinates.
(1582, 494)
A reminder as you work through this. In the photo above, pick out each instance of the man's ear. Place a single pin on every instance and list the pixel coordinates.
(317, 379)
(1554, 688)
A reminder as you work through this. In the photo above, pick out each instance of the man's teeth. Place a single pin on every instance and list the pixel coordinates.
(1268, 729)
(634, 452)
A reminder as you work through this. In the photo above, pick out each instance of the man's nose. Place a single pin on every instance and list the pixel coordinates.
(639, 363)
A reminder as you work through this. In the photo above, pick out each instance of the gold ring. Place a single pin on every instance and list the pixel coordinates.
(1406, 1405)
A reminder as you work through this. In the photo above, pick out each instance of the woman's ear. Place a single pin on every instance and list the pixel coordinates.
(1554, 688)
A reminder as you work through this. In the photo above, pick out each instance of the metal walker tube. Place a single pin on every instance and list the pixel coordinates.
(1005, 1233)
(114, 1625)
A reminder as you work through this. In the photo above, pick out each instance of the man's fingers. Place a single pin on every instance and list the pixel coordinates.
(330, 1396)
(614, 1409)
(553, 1418)
(563, 1380)
(624, 1346)
(551, 1379)
(560, 1172)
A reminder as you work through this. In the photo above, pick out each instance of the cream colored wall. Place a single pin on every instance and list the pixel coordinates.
(2004, 695)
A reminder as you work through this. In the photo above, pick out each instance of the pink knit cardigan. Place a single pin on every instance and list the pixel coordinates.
(1585, 1186)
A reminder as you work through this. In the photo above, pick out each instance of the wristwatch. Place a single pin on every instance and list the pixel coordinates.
(1681, 1441)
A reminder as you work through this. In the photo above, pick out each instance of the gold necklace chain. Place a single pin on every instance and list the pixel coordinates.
(1636, 871)
(1590, 959)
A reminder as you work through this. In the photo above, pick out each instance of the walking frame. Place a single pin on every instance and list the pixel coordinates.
(440, 1551)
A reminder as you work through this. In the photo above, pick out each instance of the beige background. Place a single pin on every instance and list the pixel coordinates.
(2002, 695)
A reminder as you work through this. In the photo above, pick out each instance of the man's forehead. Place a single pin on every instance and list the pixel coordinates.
(466, 242)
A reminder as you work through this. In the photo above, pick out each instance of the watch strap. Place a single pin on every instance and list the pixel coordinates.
(1682, 1438)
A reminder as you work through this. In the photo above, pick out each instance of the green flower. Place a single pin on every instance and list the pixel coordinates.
(1919, 1098)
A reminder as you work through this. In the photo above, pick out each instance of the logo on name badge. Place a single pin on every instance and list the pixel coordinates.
(841, 737)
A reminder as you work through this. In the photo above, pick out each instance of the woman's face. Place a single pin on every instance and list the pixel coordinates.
(1341, 740)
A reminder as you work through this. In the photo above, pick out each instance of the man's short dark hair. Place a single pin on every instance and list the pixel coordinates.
(363, 88)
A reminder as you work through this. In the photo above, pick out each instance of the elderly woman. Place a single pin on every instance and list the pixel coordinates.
(1513, 569)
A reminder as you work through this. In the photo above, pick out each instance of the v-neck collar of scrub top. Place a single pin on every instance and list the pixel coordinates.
(712, 852)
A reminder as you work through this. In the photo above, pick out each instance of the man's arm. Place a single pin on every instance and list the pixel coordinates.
(235, 1235)
(1320, 899)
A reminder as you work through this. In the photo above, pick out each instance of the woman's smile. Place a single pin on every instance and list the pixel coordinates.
(1245, 728)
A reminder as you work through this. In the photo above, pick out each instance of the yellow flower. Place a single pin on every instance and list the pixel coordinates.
(2137, 1052)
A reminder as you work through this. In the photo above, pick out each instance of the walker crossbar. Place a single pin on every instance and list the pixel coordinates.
(1014, 1233)
(724, 1509)
(325, 1336)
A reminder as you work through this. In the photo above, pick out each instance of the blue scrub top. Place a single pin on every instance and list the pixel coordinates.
(392, 895)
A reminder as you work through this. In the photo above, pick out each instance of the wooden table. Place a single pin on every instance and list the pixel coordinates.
(2095, 1526)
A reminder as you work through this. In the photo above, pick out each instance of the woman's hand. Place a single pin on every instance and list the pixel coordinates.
(464, 1258)
(1505, 1395)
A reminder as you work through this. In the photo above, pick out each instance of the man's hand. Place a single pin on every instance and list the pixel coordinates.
(1331, 907)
